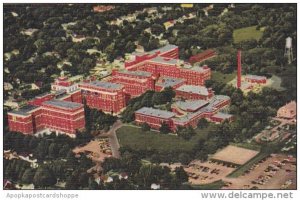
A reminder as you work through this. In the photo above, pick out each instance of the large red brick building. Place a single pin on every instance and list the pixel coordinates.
(105, 96)
(154, 117)
(194, 92)
(202, 56)
(165, 81)
(185, 113)
(69, 87)
(63, 116)
(55, 115)
(165, 62)
(21, 120)
(135, 82)
(62, 110)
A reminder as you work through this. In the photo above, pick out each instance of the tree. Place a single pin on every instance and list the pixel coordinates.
(41, 46)
(130, 163)
(181, 175)
(158, 98)
(184, 158)
(157, 29)
(53, 150)
(237, 97)
(110, 164)
(64, 150)
(72, 182)
(41, 151)
(202, 123)
(28, 175)
(145, 127)
(44, 177)
(164, 128)
(155, 158)
(92, 184)
(109, 50)
(168, 94)
(59, 168)
(130, 47)
(185, 133)
(86, 65)
(146, 176)
(83, 179)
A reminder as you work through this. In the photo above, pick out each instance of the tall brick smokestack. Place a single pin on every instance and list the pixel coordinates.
(239, 69)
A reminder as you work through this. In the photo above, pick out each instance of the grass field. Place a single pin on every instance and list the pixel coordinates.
(212, 186)
(222, 78)
(250, 146)
(246, 34)
(135, 138)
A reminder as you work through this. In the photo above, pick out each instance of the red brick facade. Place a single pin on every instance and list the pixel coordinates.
(135, 82)
(194, 92)
(105, 96)
(165, 62)
(55, 115)
(220, 117)
(180, 117)
(152, 70)
(202, 56)
(256, 79)
(63, 118)
(153, 117)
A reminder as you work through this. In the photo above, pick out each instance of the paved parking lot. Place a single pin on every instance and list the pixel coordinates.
(276, 172)
(206, 172)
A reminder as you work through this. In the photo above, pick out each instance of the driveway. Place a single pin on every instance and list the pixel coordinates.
(111, 134)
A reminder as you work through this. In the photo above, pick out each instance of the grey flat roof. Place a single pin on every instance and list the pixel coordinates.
(25, 110)
(63, 104)
(188, 116)
(155, 112)
(42, 95)
(163, 49)
(167, 48)
(164, 60)
(136, 73)
(168, 81)
(136, 53)
(191, 104)
(60, 92)
(186, 65)
(198, 69)
(106, 85)
(216, 100)
(62, 96)
(222, 115)
(193, 89)
(220, 98)
(208, 108)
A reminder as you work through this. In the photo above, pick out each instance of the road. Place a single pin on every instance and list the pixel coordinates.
(111, 134)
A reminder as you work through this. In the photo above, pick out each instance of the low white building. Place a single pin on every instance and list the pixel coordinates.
(155, 186)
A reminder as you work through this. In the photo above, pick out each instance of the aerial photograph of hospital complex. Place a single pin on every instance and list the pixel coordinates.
(149, 96)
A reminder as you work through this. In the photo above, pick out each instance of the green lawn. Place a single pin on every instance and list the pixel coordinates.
(135, 138)
(247, 33)
(222, 78)
(245, 145)
(211, 186)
